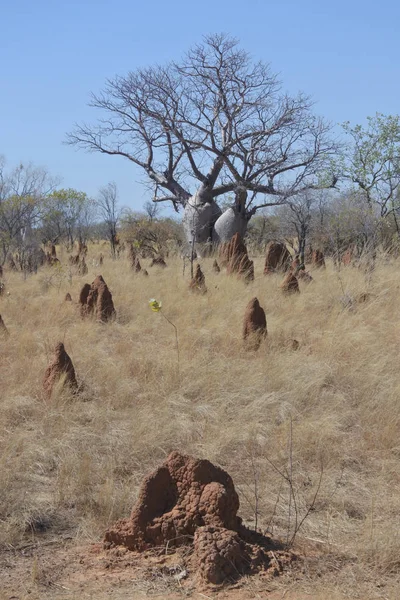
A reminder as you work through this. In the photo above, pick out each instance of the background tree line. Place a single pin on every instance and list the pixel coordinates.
(219, 140)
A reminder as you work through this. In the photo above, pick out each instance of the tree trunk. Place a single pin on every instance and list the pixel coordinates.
(199, 217)
(204, 223)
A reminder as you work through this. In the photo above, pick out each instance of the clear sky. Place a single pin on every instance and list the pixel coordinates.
(345, 54)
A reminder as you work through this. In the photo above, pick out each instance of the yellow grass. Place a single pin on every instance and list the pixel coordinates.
(75, 464)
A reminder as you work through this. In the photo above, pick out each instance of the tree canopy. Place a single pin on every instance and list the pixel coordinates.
(213, 123)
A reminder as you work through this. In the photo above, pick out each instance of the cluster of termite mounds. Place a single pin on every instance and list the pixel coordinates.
(191, 503)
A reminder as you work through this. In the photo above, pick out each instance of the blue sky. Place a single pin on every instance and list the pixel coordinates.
(52, 54)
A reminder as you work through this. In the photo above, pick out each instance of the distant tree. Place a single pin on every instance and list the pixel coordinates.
(23, 191)
(210, 125)
(263, 227)
(151, 209)
(109, 212)
(372, 162)
(67, 214)
(151, 237)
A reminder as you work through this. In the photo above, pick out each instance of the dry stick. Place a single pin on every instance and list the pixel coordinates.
(270, 522)
(177, 341)
(310, 508)
(288, 478)
(192, 256)
(256, 497)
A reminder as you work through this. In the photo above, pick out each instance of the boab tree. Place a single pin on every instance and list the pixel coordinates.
(213, 124)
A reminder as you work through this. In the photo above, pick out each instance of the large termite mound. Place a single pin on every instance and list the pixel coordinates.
(60, 367)
(183, 494)
(277, 258)
(96, 300)
(190, 502)
(254, 324)
(237, 259)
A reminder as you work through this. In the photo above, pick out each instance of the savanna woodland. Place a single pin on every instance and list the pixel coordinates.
(201, 399)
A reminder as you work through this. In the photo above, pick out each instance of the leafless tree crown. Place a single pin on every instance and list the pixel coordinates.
(211, 124)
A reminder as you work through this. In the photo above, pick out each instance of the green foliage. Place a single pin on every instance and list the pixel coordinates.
(372, 160)
(151, 236)
(66, 213)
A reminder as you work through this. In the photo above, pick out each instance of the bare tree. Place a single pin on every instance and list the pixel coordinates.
(213, 124)
(107, 205)
(152, 210)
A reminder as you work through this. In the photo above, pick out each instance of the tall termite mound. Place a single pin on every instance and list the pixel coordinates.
(277, 258)
(99, 301)
(60, 367)
(96, 299)
(235, 256)
(254, 324)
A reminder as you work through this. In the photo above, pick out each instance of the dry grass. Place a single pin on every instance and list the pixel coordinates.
(75, 465)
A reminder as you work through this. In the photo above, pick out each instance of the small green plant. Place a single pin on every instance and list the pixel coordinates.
(156, 306)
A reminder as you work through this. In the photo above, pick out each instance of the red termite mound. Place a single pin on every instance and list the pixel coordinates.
(198, 283)
(290, 285)
(238, 260)
(277, 258)
(223, 253)
(188, 501)
(60, 366)
(83, 296)
(254, 324)
(180, 496)
(99, 301)
(68, 297)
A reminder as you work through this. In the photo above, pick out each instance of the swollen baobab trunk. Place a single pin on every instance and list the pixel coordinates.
(204, 222)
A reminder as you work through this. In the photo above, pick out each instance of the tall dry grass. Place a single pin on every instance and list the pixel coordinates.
(329, 409)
